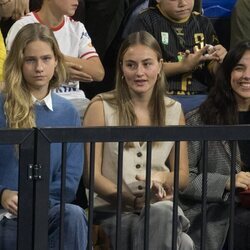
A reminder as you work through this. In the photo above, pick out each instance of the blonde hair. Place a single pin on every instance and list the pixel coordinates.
(122, 98)
(18, 104)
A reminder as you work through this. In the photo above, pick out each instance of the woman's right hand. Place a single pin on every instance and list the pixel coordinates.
(242, 180)
(9, 201)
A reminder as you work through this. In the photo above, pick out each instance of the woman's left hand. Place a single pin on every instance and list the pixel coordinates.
(161, 191)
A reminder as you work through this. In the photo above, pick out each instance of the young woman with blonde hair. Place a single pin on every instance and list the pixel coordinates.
(139, 99)
(34, 66)
(83, 62)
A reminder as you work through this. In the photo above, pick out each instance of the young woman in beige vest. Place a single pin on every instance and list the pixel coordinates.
(139, 99)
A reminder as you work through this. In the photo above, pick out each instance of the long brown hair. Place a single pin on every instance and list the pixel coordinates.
(122, 96)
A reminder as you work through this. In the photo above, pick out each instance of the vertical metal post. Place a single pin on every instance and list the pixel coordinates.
(25, 195)
(119, 195)
(41, 192)
(232, 195)
(204, 194)
(62, 198)
(176, 191)
(91, 194)
(147, 195)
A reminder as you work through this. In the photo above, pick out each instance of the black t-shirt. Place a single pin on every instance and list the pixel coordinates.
(244, 146)
(174, 39)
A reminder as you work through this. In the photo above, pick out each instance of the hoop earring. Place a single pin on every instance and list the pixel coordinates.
(123, 77)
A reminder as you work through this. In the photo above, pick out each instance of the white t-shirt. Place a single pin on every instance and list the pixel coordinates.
(72, 37)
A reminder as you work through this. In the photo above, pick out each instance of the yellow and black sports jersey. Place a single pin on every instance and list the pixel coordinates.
(174, 39)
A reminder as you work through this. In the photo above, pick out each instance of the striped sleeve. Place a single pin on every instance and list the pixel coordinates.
(86, 49)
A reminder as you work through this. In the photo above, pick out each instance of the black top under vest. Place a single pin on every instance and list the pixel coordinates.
(244, 146)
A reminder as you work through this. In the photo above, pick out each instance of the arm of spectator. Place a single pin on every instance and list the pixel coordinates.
(216, 179)
(183, 163)
(215, 49)
(9, 201)
(85, 70)
(242, 181)
(74, 169)
(74, 166)
(94, 116)
(21, 9)
(219, 52)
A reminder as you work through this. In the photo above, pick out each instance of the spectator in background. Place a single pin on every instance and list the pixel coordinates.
(10, 11)
(228, 103)
(13, 8)
(191, 50)
(33, 68)
(139, 99)
(81, 57)
(103, 29)
(136, 8)
(240, 22)
(106, 36)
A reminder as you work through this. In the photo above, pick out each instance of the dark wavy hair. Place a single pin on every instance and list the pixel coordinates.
(221, 107)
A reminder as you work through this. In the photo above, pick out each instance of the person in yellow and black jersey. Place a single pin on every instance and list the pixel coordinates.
(190, 47)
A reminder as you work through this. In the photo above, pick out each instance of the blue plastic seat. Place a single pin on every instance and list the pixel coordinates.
(217, 8)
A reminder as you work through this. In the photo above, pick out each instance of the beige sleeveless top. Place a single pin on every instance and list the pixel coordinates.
(134, 159)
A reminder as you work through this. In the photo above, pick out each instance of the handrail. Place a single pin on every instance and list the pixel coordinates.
(34, 148)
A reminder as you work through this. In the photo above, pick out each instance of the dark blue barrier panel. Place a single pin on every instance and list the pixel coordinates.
(217, 8)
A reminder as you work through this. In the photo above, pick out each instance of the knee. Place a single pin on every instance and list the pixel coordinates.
(185, 242)
(162, 208)
(74, 213)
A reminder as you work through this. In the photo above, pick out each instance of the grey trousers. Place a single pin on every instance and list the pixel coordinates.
(160, 229)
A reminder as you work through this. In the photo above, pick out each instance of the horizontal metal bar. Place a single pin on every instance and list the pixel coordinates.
(169, 133)
(14, 136)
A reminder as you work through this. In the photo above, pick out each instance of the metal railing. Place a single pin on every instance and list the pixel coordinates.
(34, 159)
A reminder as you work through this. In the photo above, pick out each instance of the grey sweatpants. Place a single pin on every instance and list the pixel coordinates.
(160, 229)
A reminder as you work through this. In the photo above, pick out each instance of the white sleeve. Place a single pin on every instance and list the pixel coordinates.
(86, 49)
(12, 33)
